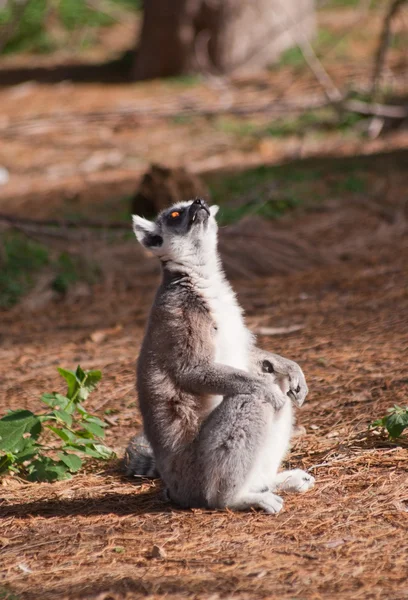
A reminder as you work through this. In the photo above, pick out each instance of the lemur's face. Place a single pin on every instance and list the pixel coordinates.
(185, 232)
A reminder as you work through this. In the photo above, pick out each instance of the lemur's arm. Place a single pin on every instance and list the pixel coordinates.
(284, 366)
(219, 379)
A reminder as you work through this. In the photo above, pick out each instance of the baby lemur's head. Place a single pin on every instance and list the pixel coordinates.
(185, 233)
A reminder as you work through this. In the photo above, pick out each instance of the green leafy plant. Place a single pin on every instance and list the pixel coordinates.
(394, 422)
(45, 447)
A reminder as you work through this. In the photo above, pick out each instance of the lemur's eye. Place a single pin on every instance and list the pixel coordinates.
(267, 367)
(174, 214)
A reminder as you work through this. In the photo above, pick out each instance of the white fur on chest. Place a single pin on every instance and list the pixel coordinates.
(232, 339)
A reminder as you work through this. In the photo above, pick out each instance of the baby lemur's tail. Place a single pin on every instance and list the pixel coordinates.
(139, 458)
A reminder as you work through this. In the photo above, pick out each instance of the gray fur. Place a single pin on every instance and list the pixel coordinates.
(139, 458)
(207, 421)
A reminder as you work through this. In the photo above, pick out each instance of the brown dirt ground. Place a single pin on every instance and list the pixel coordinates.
(93, 537)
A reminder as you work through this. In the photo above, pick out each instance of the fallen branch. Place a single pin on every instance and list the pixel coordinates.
(374, 109)
(42, 124)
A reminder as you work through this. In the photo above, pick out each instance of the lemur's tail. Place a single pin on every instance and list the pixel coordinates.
(139, 458)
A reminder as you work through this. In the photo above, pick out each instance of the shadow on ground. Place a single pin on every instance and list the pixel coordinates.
(114, 71)
(180, 587)
(110, 503)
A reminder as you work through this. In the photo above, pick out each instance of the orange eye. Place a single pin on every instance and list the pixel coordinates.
(175, 214)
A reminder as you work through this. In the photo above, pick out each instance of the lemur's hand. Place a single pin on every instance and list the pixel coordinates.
(262, 386)
(273, 392)
(287, 374)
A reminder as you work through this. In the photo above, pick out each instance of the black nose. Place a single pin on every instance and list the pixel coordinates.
(198, 206)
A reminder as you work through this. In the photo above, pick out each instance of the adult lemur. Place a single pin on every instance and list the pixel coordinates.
(217, 411)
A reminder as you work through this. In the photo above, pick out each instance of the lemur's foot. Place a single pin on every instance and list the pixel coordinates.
(270, 503)
(294, 481)
(266, 501)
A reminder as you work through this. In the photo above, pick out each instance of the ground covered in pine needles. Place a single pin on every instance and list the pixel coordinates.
(103, 536)
(325, 284)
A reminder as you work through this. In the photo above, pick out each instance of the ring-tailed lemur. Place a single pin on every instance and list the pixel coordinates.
(217, 411)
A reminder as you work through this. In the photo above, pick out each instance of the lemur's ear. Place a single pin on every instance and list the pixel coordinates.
(214, 209)
(146, 232)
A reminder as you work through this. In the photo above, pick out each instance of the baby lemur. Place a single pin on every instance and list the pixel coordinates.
(217, 411)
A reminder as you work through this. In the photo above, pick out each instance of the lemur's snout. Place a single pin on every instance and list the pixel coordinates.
(198, 211)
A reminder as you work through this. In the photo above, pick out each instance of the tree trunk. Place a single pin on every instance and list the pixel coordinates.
(218, 36)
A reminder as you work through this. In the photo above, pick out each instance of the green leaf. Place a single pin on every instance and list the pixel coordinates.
(84, 449)
(62, 433)
(96, 420)
(56, 399)
(49, 399)
(64, 417)
(6, 460)
(47, 469)
(91, 449)
(83, 394)
(73, 462)
(92, 379)
(82, 435)
(71, 380)
(13, 427)
(103, 451)
(395, 424)
(89, 381)
(74, 446)
(30, 449)
(94, 429)
(80, 374)
(379, 422)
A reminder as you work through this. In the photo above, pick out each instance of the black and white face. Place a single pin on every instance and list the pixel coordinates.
(185, 233)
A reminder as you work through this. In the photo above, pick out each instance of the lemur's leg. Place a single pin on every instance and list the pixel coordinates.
(265, 500)
(265, 475)
(275, 446)
(293, 481)
(139, 459)
(228, 446)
